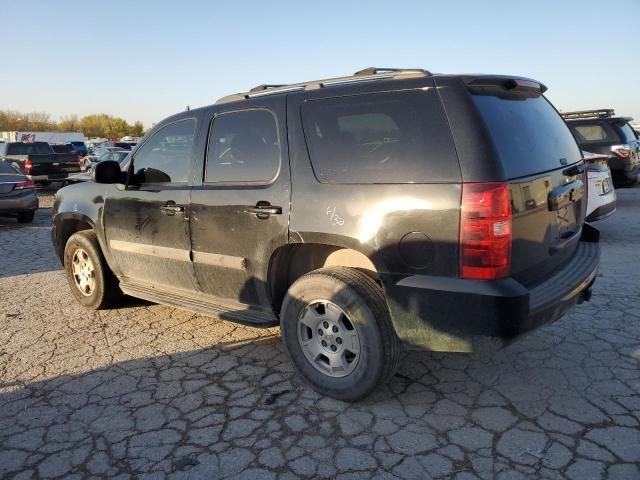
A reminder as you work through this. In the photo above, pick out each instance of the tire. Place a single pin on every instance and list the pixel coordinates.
(322, 294)
(95, 287)
(26, 217)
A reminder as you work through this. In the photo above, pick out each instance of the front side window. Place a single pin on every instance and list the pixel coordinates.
(243, 147)
(166, 156)
(393, 137)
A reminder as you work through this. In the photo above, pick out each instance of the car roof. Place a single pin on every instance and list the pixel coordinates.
(370, 74)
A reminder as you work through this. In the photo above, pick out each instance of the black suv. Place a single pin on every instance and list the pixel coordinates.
(363, 213)
(601, 131)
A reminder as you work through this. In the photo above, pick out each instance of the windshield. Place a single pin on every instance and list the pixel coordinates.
(529, 135)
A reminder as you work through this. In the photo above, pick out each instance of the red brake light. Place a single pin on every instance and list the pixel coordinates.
(24, 185)
(28, 165)
(485, 231)
(622, 151)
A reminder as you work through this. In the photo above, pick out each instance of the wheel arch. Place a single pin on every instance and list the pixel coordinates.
(66, 224)
(291, 261)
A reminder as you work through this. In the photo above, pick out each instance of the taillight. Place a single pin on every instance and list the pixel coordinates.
(621, 151)
(485, 231)
(24, 185)
(28, 165)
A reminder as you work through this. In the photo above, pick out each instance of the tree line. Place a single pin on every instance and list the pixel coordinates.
(96, 125)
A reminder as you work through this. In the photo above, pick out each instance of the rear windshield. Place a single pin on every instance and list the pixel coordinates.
(530, 136)
(391, 137)
(77, 144)
(594, 132)
(628, 133)
(6, 168)
(62, 148)
(28, 148)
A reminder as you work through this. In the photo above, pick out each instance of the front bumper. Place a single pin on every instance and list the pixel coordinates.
(458, 315)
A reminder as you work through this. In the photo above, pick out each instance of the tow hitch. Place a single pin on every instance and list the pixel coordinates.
(585, 296)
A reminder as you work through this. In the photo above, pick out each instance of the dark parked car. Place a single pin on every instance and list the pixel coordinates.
(605, 133)
(385, 209)
(80, 148)
(64, 148)
(17, 194)
(38, 161)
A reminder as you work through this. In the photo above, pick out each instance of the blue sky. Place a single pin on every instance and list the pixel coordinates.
(148, 59)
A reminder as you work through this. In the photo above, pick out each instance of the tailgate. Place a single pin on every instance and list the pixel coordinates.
(54, 164)
(548, 214)
(545, 171)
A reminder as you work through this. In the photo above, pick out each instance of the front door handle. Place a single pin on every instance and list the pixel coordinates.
(264, 209)
(171, 209)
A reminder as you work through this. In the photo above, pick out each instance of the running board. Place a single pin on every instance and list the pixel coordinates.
(201, 303)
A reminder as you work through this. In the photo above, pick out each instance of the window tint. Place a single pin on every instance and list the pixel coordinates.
(530, 136)
(399, 137)
(243, 147)
(165, 157)
(628, 133)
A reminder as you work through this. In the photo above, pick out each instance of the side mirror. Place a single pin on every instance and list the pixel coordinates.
(106, 172)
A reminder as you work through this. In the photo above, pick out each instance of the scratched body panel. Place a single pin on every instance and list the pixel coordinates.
(134, 222)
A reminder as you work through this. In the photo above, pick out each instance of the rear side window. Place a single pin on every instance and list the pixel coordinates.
(529, 135)
(243, 147)
(595, 132)
(628, 133)
(397, 137)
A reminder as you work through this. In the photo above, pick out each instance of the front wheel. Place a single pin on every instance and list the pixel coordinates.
(337, 330)
(92, 282)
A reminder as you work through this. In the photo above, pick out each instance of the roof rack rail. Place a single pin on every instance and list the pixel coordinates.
(264, 86)
(366, 75)
(599, 113)
(378, 70)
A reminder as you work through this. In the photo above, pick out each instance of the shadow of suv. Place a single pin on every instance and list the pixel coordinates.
(390, 208)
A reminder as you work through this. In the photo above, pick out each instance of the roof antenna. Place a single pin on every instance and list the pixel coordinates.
(188, 108)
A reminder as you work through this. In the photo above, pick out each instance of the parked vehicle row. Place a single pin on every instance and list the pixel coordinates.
(39, 162)
(605, 133)
(387, 209)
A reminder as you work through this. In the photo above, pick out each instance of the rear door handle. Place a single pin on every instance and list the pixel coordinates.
(171, 209)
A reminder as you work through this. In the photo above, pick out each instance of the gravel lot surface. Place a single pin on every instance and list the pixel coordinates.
(147, 391)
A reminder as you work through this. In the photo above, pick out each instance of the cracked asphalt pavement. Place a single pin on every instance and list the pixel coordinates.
(148, 391)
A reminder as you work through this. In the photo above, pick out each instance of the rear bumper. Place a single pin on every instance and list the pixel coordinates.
(21, 203)
(602, 211)
(450, 314)
(51, 177)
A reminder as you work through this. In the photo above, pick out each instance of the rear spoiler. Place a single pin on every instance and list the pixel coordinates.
(507, 83)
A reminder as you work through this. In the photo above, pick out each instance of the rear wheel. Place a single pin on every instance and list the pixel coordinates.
(26, 217)
(92, 282)
(338, 333)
